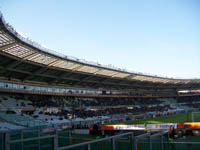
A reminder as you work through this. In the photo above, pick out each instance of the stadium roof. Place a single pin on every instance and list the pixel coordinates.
(27, 61)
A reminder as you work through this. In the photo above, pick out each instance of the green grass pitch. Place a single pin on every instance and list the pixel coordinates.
(175, 118)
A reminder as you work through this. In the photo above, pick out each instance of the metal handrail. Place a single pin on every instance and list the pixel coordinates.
(94, 141)
(159, 134)
(183, 142)
(143, 135)
(134, 141)
(31, 139)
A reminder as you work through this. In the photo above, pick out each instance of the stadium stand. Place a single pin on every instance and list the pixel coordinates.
(36, 110)
(41, 89)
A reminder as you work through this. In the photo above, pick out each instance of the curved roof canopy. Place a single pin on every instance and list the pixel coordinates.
(23, 50)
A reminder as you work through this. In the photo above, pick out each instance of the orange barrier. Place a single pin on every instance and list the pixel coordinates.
(186, 125)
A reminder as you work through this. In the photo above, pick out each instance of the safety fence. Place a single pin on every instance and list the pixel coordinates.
(64, 140)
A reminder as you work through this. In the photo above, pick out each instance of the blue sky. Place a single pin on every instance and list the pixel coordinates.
(156, 37)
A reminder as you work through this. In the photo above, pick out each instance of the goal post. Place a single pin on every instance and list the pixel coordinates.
(195, 116)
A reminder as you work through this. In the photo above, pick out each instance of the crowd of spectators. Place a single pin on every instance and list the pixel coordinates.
(74, 107)
(57, 101)
(93, 107)
(188, 99)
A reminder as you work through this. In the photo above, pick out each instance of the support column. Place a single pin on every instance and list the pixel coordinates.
(89, 147)
(7, 141)
(150, 143)
(135, 143)
(22, 137)
(113, 143)
(161, 142)
(132, 141)
(56, 140)
(39, 139)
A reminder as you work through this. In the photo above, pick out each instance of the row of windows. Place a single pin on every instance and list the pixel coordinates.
(51, 89)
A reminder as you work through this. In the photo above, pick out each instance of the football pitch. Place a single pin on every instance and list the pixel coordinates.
(175, 118)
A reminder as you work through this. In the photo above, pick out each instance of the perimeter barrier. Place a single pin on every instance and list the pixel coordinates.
(65, 140)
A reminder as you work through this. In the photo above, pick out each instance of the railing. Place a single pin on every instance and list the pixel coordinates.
(113, 141)
(88, 144)
(146, 141)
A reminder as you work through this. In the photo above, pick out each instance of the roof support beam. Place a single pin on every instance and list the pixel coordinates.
(84, 79)
(35, 73)
(87, 77)
(61, 76)
(30, 56)
(7, 46)
(41, 70)
(12, 65)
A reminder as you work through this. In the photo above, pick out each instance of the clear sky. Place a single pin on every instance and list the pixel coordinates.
(159, 37)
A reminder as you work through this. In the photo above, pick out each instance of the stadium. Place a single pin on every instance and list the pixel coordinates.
(56, 102)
